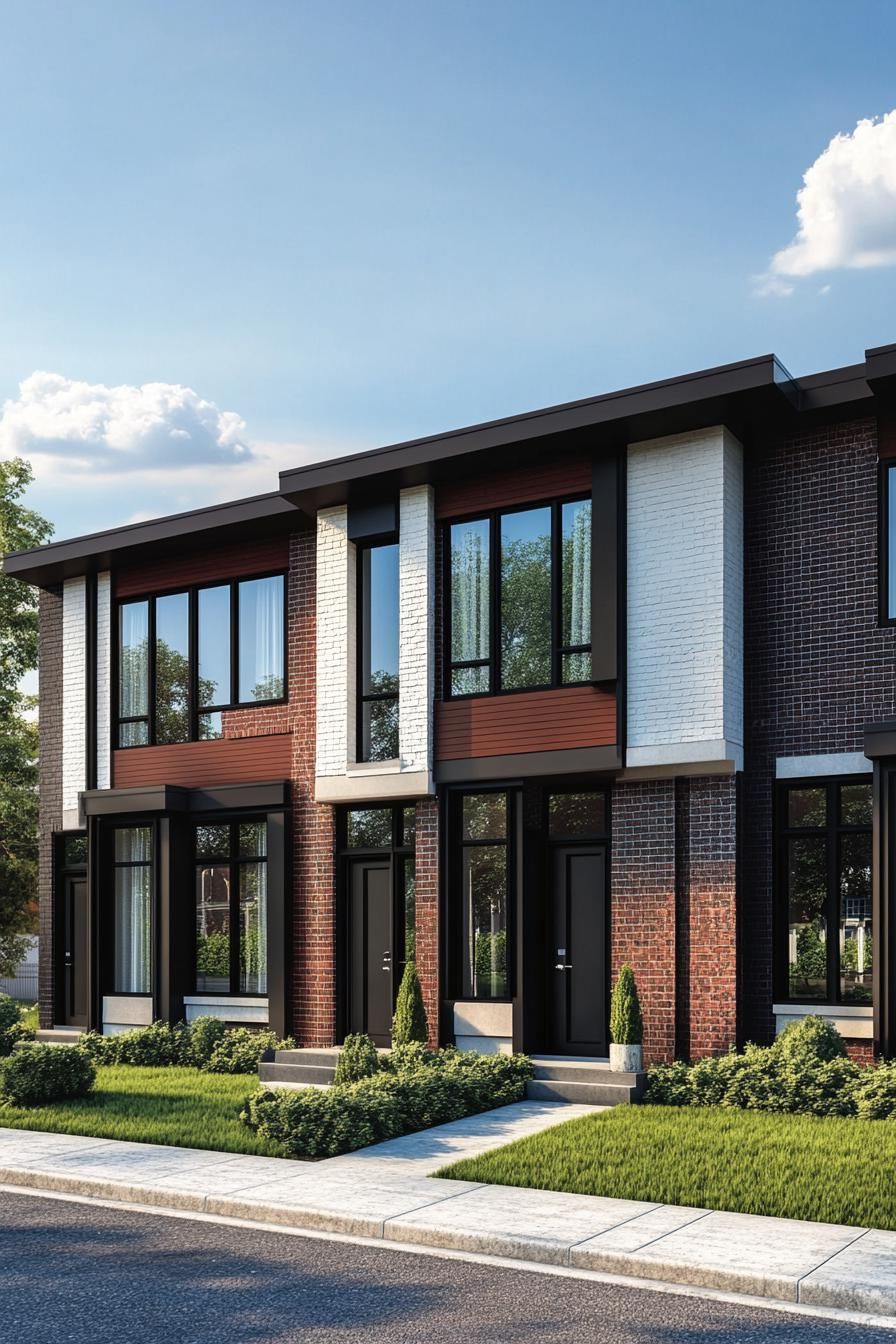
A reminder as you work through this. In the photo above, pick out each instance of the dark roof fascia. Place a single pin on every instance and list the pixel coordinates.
(693, 400)
(45, 565)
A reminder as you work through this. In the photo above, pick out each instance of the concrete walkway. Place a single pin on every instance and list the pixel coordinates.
(386, 1192)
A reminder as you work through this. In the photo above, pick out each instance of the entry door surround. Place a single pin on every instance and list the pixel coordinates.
(576, 966)
(371, 948)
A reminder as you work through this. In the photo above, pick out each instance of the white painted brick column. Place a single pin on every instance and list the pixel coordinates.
(335, 641)
(104, 636)
(417, 600)
(74, 698)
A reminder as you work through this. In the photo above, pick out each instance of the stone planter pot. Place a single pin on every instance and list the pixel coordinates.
(626, 1059)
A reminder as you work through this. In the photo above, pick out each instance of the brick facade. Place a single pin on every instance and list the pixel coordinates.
(50, 784)
(819, 666)
(427, 910)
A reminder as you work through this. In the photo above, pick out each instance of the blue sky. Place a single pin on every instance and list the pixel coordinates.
(347, 224)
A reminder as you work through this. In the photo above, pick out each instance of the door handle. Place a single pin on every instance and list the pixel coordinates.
(563, 966)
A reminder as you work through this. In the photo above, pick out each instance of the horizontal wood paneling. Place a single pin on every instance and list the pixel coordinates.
(243, 760)
(477, 494)
(215, 562)
(500, 725)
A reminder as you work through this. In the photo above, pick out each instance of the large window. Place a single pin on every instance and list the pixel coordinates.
(132, 915)
(482, 856)
(184, 658)
(824, 891)
(519, 610)
(231, 908)
(888, 542)
(378, 644)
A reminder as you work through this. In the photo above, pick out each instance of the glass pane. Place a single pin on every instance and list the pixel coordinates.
(133, 930)
(214, 646)
(213, 842)
(408, 825)
(855, 918)
(211, 726)
(213, 930)
(379, 624)
(855, 804)
(133, 844)
(261, 639)
(575, 624)
(807, 896)
(571, 814)
(410, 926)
(370, 828)
(133, 660)
(526, 599)
(576, 667)
(484, 816)
(133, 734)
(485, 922)
(379, 725)
(254, 928)
(891, 542)
(807, 807)
(74, 851)
(253, 839)
(470, 599)
(172, 668)
(470, 680)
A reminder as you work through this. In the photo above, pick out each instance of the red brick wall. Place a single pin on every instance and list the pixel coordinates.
(427, 910)
(861, 1052)
(708, 904)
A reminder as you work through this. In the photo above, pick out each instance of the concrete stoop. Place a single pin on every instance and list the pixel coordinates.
(299, 1068)
(589, 1082)
(59, 1036)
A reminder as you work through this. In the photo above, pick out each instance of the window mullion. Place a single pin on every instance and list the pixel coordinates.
(234, 643)
(833, 904)
(556, 594)
(151, 672)
(235, 931)
(494, 601)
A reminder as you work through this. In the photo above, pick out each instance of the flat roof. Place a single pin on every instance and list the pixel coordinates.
(750, 390)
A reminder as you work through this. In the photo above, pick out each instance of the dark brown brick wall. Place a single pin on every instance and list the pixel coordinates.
(50, 783)
(817, 664)
(708, 1018)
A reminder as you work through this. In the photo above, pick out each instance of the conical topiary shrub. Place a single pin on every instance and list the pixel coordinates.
(626, 1024)
(409, 1023)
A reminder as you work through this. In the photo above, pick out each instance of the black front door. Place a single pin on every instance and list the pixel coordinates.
(577, 967)
(71, 954)
(370, 944)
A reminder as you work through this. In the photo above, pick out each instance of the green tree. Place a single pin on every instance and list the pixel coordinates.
(409, 1023)
(20, 528)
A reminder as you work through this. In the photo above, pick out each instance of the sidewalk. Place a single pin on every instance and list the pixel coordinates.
(386, 1192)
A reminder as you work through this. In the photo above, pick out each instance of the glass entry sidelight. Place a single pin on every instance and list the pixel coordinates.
(577, 963)
(370, 925)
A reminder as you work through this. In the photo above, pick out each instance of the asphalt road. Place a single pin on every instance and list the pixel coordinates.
(81, 1274)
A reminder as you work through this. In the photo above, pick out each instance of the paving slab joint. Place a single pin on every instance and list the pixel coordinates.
(861, 1232)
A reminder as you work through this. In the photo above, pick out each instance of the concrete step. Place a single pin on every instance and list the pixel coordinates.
(613, 1089)
(579, 1071)
(299, 1075)
(319, 1059)
(59, 1036)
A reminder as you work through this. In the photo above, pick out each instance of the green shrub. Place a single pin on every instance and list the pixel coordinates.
(12, 1028)
(626, 1025)
(875, 1093)
(240, 1049)
(318, 1123)
(205, 1033)
(38, 1074)
(101, 1049)
(358, 1058)
(811, 1038)
(409, 1023)
(164, 1043)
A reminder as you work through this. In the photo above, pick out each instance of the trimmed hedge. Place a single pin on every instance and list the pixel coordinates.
(37, 1074)
(205, 1044)
(413, 1093)
(804, 1072)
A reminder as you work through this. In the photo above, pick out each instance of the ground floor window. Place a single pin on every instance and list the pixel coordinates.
(231, 884)
(824, 891)
(132, 888)
(481, 859)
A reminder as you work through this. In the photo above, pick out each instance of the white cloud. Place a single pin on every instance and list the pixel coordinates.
(159, 437)
(846, 209)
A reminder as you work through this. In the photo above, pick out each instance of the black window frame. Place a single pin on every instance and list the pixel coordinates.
(493, 662)
(454, 914)
(885, 522)
(233, 862)
(832, 832)
(110, 865)
(194, 710)
(362, 621)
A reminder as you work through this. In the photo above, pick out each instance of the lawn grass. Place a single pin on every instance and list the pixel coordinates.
(787, 1166)
(176, 1106)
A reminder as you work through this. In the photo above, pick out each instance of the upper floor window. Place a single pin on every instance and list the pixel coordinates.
(378, 645)
(888, 547)
(184, 658)
(824, 891)
(519, 603)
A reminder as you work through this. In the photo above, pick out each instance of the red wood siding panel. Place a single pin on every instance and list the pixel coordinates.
(224, 562)
(499, 725)
(195, 765)
(568, 476)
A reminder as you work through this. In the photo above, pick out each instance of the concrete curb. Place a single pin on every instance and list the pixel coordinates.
(865, 1283)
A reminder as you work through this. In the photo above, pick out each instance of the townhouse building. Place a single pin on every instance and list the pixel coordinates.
(607, 682)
